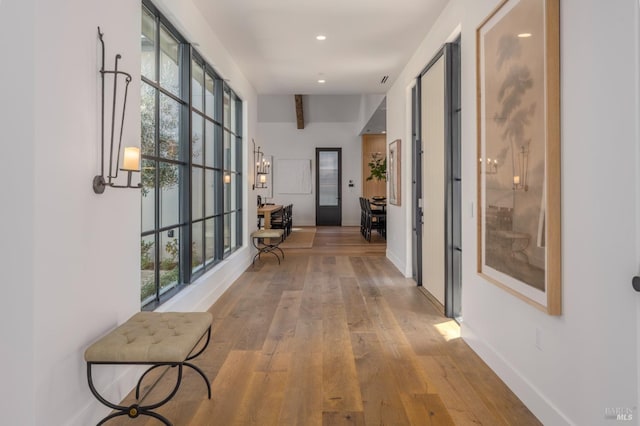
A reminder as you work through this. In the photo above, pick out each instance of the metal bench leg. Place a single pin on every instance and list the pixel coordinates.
(265, 248)
(135, 410)
(201, 373)
(198, 370)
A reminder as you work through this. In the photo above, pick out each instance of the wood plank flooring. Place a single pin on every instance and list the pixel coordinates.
(335, 335)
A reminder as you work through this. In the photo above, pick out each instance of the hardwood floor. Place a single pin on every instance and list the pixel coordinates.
(335, 335)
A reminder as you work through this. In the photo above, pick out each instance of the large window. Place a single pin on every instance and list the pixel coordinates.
(191, 163)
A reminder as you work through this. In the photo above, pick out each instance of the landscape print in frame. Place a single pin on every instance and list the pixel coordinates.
(518, 108)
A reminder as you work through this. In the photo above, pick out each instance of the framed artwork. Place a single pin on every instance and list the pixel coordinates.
(518, 106)
(301, 172)
(394, 169)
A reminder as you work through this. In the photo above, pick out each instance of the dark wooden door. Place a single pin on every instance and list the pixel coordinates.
(329, 186)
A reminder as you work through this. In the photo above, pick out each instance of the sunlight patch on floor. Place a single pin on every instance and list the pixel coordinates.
(449, 330)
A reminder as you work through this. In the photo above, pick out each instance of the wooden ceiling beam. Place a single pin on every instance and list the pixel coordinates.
(299, 112)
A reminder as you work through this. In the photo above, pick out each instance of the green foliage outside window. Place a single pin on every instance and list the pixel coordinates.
(168, 140)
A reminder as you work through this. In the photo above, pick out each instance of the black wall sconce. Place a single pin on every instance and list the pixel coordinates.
(131, 158)
(262, 167)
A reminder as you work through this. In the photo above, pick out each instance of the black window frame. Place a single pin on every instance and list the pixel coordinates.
(187, 271)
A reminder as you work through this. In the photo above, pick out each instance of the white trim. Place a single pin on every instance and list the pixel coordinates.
(192, 299)
(397, 262)
(407, 184)
(637, 182)
(531, 396)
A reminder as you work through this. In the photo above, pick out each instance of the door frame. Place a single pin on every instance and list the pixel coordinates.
(416, 185)
(453, 180)
(453, 203)
(339, 207)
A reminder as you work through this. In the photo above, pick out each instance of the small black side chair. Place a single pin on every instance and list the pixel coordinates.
(267, 241)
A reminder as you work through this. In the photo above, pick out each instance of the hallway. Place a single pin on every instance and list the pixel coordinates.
(335, 335)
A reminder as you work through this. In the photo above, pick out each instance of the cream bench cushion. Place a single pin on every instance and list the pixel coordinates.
(267, 233)
(151, 337)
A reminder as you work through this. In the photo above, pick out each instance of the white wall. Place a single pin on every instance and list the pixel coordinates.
(588, 359)
(86, 246)
(17, 213)
(70, 256)
(330, 122)
(637, 191)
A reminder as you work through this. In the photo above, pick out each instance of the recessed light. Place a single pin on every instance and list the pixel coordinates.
(321, 37)
(524, 35)
(321, 81)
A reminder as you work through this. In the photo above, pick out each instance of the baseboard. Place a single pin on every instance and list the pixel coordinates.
(397, 262)
(531, 396)
(117, 390)
(435, 302)
(208, 288)
(225, 277)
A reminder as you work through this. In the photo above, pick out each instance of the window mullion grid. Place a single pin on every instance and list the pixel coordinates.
(185, 165)
(219, 165)
(201, 219)
(156, 186)
(239, 156)
(203, 213)
(185, 170)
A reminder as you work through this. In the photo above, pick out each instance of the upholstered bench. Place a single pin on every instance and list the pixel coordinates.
(267, 241)
(151, 338)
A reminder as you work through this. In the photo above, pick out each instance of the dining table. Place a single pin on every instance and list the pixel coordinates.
(266, 210)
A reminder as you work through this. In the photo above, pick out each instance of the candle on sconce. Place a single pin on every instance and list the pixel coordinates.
(516, 180)
(263, 178)
(131, 159)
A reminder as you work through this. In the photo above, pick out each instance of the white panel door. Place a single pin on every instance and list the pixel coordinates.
(433, 180)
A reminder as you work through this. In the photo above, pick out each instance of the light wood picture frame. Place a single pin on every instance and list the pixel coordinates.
(394, 169)
(518, 176)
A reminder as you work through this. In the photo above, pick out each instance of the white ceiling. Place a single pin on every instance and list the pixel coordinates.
(273, 41)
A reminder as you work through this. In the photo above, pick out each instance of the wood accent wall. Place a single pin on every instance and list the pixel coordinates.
(372, 143)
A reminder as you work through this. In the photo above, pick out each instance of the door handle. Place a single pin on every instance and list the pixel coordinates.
(635, 282)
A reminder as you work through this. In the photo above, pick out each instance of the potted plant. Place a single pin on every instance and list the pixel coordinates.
(378, 167)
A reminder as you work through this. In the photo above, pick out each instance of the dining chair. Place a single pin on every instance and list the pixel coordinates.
(375, 220)
(285, 221)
